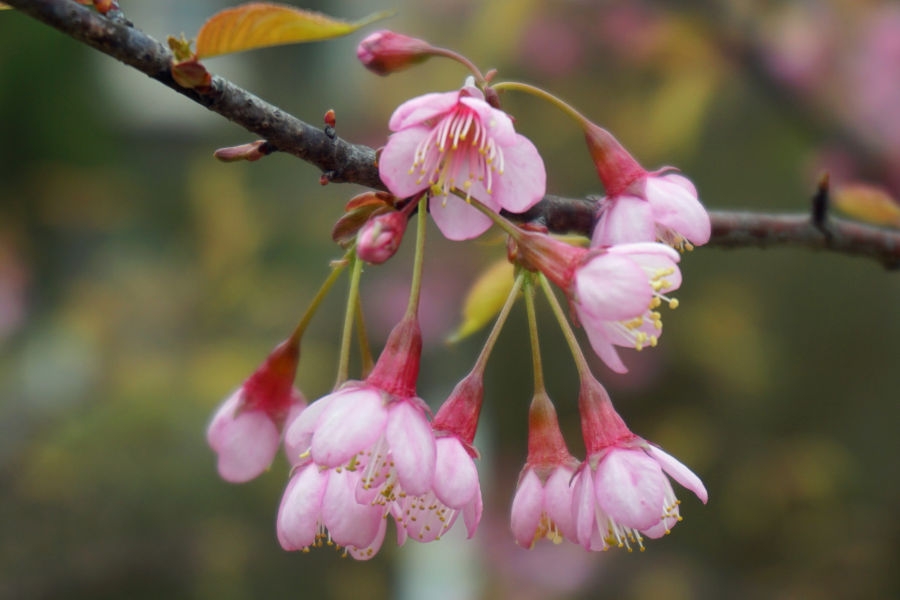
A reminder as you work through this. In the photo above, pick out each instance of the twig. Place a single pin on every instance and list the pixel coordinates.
(344, 162)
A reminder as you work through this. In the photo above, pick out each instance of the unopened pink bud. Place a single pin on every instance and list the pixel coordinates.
(386, 52)
(380, 237)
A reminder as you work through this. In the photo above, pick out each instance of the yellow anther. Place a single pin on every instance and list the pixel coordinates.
(653, 341)
(689, 246)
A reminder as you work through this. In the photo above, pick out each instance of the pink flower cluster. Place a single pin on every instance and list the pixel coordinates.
(371, 451)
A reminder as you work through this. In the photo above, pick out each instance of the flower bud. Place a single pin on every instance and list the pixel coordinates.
(385, 52)
(250, 152)
(380, 237)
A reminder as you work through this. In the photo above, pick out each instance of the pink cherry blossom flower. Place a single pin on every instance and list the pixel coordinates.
(246, 429)
(621, 490)
(425, 518)
(319, 505)
(614, 291)
(457, 141)
(641, 206)
(542, 507)
(378, 427)
(455, 488)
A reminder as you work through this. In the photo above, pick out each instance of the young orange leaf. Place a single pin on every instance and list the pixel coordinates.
(867, 203)
(485, 299)
(263, 24)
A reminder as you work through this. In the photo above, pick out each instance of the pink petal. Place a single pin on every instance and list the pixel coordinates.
(427, 525)
(583, 507)
(459, 220)
(602, 345)
(412, 447)
(653, 256)
(497, 123)
(397, 159)
(374, 547)
(301, 505)
(558, 502)
(222, 419)
(415, 111)
(397, 513)
(679, 472)
(627, 219)
(246, 445)
(298, 435)
(630, 488)
(349, 523)
(611, 287)
(682, 181)
(298, 404)
(663, 525)
(352, 422)
(472, 513)
(528, 505)
(455, 475)
(523, 182)
(676, 208)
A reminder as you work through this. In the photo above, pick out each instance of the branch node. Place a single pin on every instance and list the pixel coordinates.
(820, 205)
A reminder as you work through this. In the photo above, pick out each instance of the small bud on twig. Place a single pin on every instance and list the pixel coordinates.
(820, 203)
(249, 152)
(326, 177)
(330, 118)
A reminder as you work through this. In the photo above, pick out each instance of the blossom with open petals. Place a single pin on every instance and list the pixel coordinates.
(246, 429)
(615, 291)
(542, 507)
(319, 506)
(641, 206)
(378, 427)
(456, 141)
(621, 491)
(455, 488)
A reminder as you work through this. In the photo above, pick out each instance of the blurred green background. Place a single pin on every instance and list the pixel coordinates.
(141, 281)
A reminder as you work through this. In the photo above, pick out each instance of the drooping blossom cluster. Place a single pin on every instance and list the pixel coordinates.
(371, 452)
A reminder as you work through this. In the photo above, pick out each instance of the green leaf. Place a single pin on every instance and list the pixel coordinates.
(264, 24)
(485, 300)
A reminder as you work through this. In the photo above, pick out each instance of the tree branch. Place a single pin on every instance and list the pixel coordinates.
(344, 162)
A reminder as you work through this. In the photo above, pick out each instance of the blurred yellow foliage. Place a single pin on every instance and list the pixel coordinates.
(868, 203)
(485, 299)
(264, 24)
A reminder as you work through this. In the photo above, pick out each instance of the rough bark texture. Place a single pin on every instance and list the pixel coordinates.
(344, 162)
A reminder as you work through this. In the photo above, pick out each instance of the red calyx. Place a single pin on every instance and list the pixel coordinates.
(269, 388)
(615, 166)
(397, 369)
(601, 425)
(546, 445)
(459, 414)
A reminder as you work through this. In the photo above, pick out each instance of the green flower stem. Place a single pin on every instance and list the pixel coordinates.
(364, 350)
(580, 361)
(414, 292)
(344, 364)
(535, 347)
(524, 87)
(498, 325)
(320, 296)
(479, 78)
(503, 223)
